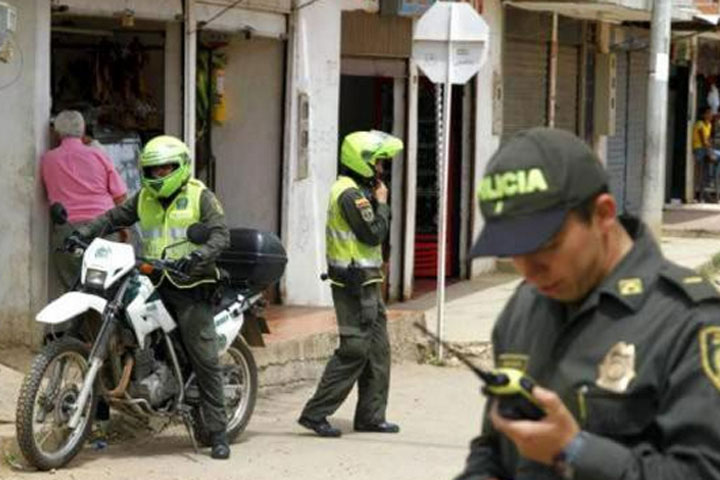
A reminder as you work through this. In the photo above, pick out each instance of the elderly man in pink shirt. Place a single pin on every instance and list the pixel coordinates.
(83, 179)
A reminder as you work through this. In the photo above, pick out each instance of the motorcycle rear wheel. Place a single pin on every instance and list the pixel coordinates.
(240, 383)
(48, 395)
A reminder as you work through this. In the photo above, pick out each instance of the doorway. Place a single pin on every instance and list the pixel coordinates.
(426, 216)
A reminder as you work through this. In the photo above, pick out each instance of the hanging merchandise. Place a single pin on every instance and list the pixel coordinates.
(713, 99)
(219, 107)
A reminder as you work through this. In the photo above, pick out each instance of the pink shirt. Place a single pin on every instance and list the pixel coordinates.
(82, 178)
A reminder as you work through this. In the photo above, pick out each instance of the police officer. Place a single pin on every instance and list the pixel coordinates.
(358, 220)
(624, 344)
(166, 205)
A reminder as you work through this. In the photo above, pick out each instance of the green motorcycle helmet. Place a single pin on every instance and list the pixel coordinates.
(165, 150)
(361, 150)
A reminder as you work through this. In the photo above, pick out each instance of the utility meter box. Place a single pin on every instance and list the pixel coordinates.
(8, 19)
(8, 24)
(605, 93)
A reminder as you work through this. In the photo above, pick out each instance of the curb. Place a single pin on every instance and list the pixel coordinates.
(692, 233)
(281, 365)
(300, 360)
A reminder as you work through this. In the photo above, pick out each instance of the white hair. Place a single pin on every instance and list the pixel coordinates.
(70, 123)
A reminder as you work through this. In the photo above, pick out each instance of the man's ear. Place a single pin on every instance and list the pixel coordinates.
(605, 210)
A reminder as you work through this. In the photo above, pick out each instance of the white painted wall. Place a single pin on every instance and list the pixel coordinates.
(24, 116)
(485, 142)
(166, 10)
(398, 199)
(173, 79)
(261, 24)
(248, 147)
(314, 69)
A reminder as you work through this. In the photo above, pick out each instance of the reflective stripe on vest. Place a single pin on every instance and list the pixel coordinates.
(342, 245)
(161, 228)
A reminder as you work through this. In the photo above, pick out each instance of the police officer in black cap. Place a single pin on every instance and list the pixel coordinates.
(624, 344)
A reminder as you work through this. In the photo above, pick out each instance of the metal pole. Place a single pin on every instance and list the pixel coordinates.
(656, 117)
(552, 83)
(190, 70)
(444, 175)
(692, 108)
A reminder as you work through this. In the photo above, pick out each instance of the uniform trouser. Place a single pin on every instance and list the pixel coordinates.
(363, 356)
(192, 310)
(68, 265)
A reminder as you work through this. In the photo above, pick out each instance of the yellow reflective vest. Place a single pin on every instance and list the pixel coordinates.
(161, 229)
(343, 248)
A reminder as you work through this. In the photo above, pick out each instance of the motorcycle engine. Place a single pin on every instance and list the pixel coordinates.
(154, 381)
(159, 386)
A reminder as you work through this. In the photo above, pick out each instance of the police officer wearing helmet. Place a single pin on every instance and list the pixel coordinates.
(166, 205)
(624, 344)
(358, 220)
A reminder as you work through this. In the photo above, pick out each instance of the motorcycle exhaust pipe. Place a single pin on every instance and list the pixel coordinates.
(122, 385)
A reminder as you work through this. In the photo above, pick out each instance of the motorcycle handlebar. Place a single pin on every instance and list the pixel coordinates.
(149, 266)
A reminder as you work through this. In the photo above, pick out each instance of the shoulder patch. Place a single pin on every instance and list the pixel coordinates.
(710, 353)
(367, 214)
(362, 202)
(692, 285)
(630, 286)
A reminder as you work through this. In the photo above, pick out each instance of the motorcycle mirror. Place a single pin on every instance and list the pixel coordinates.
(198, 233)
(58, 214)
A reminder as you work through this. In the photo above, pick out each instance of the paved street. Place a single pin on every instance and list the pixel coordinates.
(438, 409)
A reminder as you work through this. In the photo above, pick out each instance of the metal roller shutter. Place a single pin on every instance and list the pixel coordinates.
(637, 107)
(525, 85)
(566, 106)
(617, 144)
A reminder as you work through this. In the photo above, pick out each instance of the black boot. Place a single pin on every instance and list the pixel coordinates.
(219, 448)
(381, 427)
(321, 427)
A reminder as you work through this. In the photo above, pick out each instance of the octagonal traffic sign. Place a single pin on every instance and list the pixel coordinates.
(450, 42)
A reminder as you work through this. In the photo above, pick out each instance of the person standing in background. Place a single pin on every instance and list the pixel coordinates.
(706, 157)
(81, 178)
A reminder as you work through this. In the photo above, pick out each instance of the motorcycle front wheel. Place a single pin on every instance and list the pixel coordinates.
(47, 401)
(240, 384)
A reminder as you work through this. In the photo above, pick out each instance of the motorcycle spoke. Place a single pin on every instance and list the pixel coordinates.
(51, 433)
(55, 402)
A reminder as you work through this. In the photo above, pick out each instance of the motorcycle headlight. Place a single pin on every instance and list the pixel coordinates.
(95, 278)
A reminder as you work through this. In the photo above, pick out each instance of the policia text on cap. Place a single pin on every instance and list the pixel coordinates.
(625, 344)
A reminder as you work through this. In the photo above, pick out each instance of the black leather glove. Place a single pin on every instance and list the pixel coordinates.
(74, 241)
(188, 263)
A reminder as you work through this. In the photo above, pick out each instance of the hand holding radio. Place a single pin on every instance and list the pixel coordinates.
(543, 439)
(512, 389)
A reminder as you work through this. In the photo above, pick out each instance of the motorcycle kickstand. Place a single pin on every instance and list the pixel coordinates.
(187, 420)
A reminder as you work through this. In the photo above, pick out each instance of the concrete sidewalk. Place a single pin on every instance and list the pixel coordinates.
(470, 313)
(693, 220)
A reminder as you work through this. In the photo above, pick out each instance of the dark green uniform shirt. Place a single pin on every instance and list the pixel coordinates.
(211, 215)
(370, 225)
(637, 363)
(368, 220)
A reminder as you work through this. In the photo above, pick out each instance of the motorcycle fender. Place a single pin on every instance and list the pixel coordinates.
(69, 306)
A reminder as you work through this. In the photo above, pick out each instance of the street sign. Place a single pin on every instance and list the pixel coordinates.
(405, 8)
(450, 32)
(450, 45)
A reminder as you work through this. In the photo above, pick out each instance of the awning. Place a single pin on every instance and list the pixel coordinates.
(606, 11)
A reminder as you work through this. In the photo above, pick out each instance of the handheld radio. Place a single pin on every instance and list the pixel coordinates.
(509, 386)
